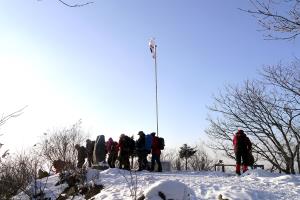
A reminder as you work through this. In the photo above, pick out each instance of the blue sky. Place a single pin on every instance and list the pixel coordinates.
(93, 63)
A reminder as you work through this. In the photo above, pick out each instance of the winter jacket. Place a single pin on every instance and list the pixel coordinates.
(114, 147)
(109, 144)
(155, 146)
(241, 142)
(123, 146)
(81, 153)
(90, 147)
(140, 143)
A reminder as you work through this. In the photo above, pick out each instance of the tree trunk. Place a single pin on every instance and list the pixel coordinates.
(292, 163)
(298, 159)
(185, 164)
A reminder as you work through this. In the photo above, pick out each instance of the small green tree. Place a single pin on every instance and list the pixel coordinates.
(186, 152)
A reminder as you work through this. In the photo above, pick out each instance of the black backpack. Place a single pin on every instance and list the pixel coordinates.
(161, 143)
(250, 159)
(129, 143)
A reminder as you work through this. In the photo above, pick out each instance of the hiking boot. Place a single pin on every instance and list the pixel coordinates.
(245, 168)
(238, 169)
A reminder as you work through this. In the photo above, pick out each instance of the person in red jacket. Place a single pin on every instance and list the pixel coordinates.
(112, 150)
(123, 152)
(155, 153)
(242, 146)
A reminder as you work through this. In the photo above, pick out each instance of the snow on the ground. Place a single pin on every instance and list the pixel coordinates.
(166, 188)
(255, 184)
(49, 188)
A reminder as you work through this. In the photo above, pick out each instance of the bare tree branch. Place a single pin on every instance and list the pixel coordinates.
(75, 5)
(268, 111)
(280, 19)
(17, 113)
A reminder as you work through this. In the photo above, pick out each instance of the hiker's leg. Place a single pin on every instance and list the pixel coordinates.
(238, 163)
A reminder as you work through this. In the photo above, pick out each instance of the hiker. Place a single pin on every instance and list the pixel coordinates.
(99, 154)
(124, 151)
(242, 147)
(81, 150)
(90, 150)
(141, 151)
(112, 150)
(155, 150)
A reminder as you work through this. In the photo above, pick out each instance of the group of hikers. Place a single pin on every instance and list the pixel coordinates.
(126, 147)
(121, 151)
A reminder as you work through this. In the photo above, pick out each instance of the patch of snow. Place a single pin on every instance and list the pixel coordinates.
(170, 190)
(124, 185)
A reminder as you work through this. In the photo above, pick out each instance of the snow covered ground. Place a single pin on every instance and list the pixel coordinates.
(120, 184)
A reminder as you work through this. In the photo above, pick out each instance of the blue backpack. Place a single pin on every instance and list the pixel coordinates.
(148, 142)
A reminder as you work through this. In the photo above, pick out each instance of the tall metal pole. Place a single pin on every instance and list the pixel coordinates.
(153, 49)
(156, 98)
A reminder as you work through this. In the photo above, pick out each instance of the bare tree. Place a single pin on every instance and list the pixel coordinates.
(171, 155)
(280, 19)
(178, 164)
(60, 144)
(3, 120)
(17, 173)
(287, 77)
(264, 112)
(201, 160)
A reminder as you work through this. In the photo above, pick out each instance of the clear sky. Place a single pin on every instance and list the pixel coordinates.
(93, 63)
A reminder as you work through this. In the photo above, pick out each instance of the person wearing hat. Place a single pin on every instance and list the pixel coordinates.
(242, 146)
(155, 150)
(141, 151)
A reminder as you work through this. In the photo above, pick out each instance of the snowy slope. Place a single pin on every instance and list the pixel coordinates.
(256, 184)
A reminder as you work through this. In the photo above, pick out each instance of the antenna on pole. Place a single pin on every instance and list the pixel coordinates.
(153, 49)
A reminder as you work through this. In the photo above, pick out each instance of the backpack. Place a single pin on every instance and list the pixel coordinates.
(82, 153)
(241, 143)
(161, 143)
(250, 159)
(148, 142)
(114, 147)
(132, 144)
(129, 143)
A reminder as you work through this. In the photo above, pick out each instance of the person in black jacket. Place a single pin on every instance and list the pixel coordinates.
(124, 151)
(81, 150)
(90, 150)
(141, 151)
(242, 147)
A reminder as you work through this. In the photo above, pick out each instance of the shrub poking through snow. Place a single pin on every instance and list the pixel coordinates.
(77, 185)
(220, 197)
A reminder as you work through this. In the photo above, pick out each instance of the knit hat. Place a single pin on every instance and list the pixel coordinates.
(141, 133)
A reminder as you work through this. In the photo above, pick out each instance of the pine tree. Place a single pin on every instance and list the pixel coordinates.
(186, 152)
